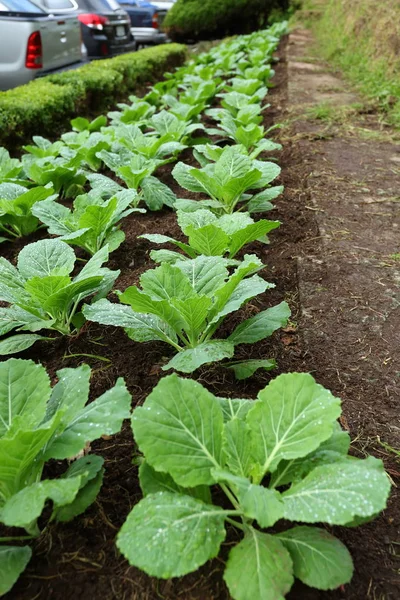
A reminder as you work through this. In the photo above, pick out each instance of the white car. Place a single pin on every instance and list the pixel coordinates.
(32, 43)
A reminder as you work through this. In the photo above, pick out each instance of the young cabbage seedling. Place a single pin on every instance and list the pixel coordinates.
(16, 209)
(227, 180)
(92, 224)
(39, 423)
(42, 294)
(281, 457)
(185, 303)
(211, 235)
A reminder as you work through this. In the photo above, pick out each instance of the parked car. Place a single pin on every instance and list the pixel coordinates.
(32, 43)
(146, 21)
(105, 25)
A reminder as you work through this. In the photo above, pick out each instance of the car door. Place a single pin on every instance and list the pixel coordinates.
(61, 35)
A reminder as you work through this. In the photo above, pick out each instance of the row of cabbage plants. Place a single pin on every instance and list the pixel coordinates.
(280, 458)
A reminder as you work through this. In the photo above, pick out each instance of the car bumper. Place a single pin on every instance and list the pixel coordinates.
(148, 35)
(96, 44)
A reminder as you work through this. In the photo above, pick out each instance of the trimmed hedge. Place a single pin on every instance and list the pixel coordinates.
(192, 20)
(45, 106)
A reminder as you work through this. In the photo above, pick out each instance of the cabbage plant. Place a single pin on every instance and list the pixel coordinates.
(280, 459)
(16, 209)
(42, 294)
(39, 423)
(184, 305)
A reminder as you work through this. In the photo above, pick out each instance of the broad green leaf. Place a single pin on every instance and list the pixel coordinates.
(179, 430)
(141, 328)
(338, 492)
(196, 219)
(70, 393)
(104, 416)
(114, 239)
(247, 368)
(13, 560)
(261, 504)
(319, 559)
(62, 300)
(235, 407)
(166, 256)
(24, 389)
(18, 343)
(243, 290)
(12, 284)
(205, 273)
(156, 193)
(237, 447)
(183, 175)
(46, 257)
(208, 240)
(98, 218)
(190, 359)
(261, 325)
(292, 417)
(262, 202)
(18, 451)
(268, 573)
(332, 450)
(143, 303)
(194, 311)
(250, 233)
(27, 505)
(91, 472)
(152, 481)
(41, 288)
(168, 535)
(163, 283)
(269, 170)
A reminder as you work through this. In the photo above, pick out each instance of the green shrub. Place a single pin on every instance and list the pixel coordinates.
(210, 19)
(46, 105)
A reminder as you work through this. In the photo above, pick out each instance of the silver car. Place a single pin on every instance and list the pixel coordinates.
(32, 43)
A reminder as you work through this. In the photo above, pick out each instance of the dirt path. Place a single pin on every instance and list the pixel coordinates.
(346, 172)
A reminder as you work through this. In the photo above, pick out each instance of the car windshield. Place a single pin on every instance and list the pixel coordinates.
(20, 6)
(99, 5)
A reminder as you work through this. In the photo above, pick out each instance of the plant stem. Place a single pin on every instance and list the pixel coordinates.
(230, 495)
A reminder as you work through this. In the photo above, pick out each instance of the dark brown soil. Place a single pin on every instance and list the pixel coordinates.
(79, 560)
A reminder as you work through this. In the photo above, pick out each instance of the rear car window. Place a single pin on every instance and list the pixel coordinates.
(60, 4)
(20, 6)
(99, 5)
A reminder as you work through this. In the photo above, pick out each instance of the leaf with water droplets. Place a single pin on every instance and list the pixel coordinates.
(259, 568)
(338, 492)
(104, 416)
(319, 559)
(179, 430)
(46, 257)
(292, 417)
(168, 535)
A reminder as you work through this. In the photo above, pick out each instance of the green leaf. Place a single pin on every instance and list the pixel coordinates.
(262, 202)
(24, 389)
(179, 430)
(319, 559)
(194, 311)
(152, 481)
(268, 572)
(292, 417)
(190, 359)
(163, 283)
(205, 273)
(104, 416)
(183, 175)
(338, 492)
(247, 368)
(70, 393)
(91, 472)
(156, 193)
(262, 504)
(248, 234)
(141, 328)
(41, 288)
(22, 509)
(332, 450)
(209, 240)
(238, 447)
(46, 257)
(261, 325)
(13, 560)
(18, 343)
(168, 535)
(235, 407)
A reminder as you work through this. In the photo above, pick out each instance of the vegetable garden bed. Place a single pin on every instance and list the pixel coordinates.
(83, 553)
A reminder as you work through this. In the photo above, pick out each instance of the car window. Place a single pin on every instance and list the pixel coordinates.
(60, 4)
(20, 6)
(99, 5)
